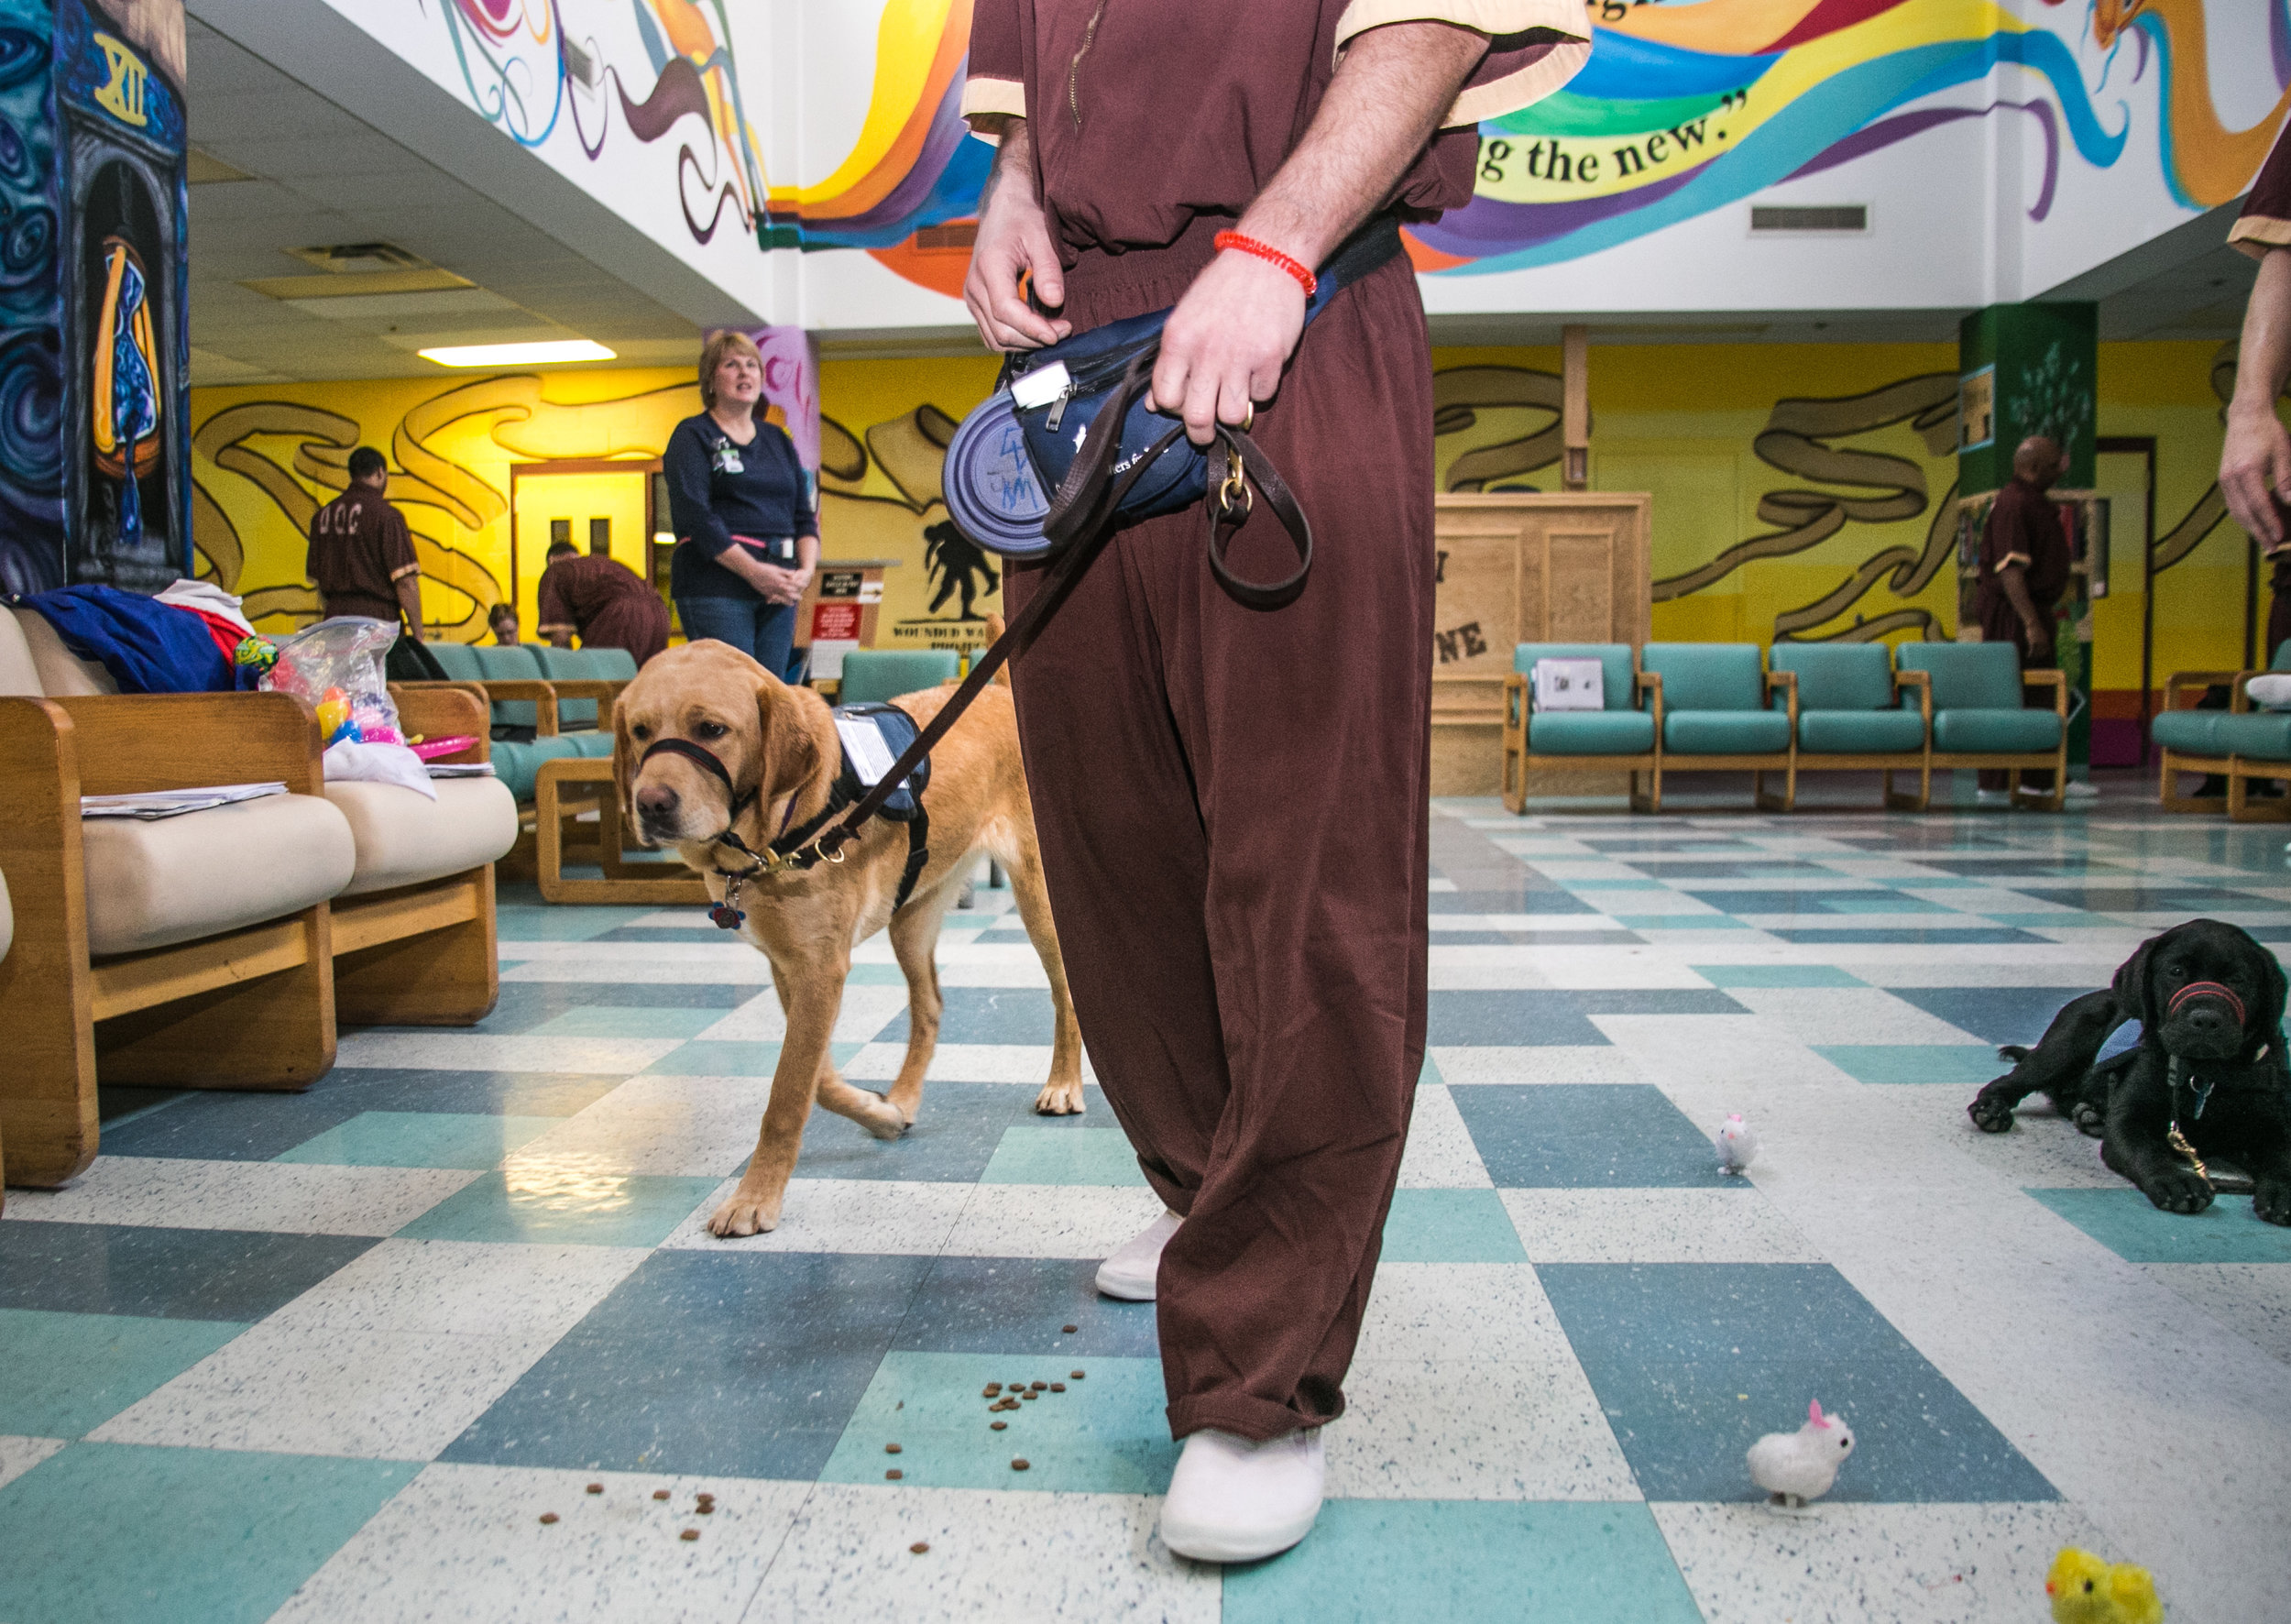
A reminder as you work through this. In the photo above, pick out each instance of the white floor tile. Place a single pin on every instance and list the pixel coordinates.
(1846, 1014)
(1716, 1048)
(865, 1011)
(1654, 1226)
(464, 1543)
(1027, 1063)
(2253, 1299)
(1846, 1564)
(19, 1455)
(292, 1198)
(1440, 1154)
(867, 1215)
(379, 1395)
(1447, 1311)
(1474, 1430)
(994, 1555)
(1623, 966)
(604, 963)
(1051, 1220)
(463, 1289)
(1463, 1066)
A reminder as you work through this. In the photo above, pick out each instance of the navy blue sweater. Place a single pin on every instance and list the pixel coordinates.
(718, 489)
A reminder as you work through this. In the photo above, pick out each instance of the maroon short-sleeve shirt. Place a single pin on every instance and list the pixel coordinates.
(2265, 222)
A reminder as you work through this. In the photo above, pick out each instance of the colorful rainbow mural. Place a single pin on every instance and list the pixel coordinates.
(1683, 109)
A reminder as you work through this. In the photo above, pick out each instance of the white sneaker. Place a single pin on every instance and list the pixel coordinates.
(1131, 1273)
(1232, 1500)
(2078, 790)
(1991, 797)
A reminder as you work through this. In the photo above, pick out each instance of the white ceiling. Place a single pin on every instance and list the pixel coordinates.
(319, 177)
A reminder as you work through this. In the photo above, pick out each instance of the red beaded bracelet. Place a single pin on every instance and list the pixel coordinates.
(1270, 255)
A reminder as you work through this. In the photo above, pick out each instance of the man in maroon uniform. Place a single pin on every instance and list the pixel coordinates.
(361, 553)
(2024, 570)
(2257, 454)
(607, 603)
(1233, 803)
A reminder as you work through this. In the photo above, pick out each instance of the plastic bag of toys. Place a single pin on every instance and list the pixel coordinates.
(336, 665)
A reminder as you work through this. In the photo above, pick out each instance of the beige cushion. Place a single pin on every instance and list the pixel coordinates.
(19, 679)
(178, 879)
(404, 839)
(62, 674)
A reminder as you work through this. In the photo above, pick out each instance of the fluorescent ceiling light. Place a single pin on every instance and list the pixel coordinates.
(517, 354)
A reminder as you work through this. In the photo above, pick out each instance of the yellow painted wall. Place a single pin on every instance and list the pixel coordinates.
(1808, 487)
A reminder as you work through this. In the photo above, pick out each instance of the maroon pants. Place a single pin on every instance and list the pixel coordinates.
(1233, 814)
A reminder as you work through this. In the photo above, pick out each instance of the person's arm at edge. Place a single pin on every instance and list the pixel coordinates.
(1225, 344)
(2257, 453)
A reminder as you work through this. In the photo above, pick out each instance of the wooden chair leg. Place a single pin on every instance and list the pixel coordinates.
(275, 1031)
(448, 976)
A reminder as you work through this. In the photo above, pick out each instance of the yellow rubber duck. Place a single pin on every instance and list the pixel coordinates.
(2086, 1590)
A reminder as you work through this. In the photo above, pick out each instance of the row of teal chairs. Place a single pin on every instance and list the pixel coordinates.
(2238, 745)
(1724, 707)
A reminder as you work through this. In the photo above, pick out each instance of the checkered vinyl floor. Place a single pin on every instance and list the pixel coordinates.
(332, 1356)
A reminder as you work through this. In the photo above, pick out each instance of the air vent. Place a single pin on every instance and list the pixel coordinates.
(348, 259)
(1824, 217)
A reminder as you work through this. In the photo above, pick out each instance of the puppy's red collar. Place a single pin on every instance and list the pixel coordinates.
(2206, 990)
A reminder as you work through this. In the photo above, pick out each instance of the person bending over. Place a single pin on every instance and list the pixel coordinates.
(602, 601)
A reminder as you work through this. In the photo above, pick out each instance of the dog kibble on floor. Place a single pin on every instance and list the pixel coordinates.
(993, 1389)
(1073, 1375)
(1069, 1330)
(689, 1534)
(920, 1546)
(595, 1488)
(895, 1475)
(660, 1493)
(891, 1449)
(548, 1517)
(996, 1426)
(1057, 1386)
(1021, 1463)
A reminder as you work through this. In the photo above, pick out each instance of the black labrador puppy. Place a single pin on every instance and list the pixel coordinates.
(2210, 1063)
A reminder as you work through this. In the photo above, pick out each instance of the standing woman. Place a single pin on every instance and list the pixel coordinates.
(747, 537)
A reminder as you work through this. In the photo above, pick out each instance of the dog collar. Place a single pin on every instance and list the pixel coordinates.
(2206, 990)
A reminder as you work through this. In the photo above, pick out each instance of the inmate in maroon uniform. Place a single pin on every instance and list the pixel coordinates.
(360, 549)
(1234, 804)
(606, 603)
(2023, 528)
(2265, 224)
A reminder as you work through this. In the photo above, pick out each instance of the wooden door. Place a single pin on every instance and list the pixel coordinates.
(1524, 566)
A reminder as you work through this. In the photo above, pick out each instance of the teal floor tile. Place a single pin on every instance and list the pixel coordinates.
(68, 1373)
(1882, 901)
(566, 1206)
(1587, 1561)
(604, 1020)
(1031, 1154)
(106, 1531)
(1430, 1073)
(1775, 975)
(2129, 1224)
(420, 1139)
(1105, 1434)
(717, 1057)
(1450, 1227)
(2060, 919)
(1956, 1063)
(876, 975)
(1680, 922)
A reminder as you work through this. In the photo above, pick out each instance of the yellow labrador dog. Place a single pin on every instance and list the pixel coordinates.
(778, 746)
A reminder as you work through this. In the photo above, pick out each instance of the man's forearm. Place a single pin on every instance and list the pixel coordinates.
(409, 601)
(2263, 358)
(1383, 105)
(2016, 590)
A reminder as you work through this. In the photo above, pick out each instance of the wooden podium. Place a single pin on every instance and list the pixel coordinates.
(838, 610)
(1525, 567)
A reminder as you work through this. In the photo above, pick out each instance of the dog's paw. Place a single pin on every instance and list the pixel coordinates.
(885, 1121)
(1990, 1116)
(744, 1215)
(1059, 1099)
(2089, 1120)
(2178, 1191)
(2271, 1202)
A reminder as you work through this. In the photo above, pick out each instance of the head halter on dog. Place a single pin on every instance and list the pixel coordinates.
(2206, 990)
(707, 758)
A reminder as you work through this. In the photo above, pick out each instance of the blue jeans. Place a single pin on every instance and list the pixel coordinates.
(766, 630)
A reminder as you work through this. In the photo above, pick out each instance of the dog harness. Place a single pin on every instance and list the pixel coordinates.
(870, 735)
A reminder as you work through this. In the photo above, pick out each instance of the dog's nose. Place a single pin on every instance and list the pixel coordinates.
(656, 802)
(2208, 1018)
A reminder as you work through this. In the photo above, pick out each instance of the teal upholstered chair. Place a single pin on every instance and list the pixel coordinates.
(1979, 717)
(1855, 714)
(1620, 736)
(583, 678)
(2237, 744)
(872, 676)
(1716, 716)
(522, 696)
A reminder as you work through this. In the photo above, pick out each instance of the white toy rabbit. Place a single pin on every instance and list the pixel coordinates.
(1795, 1467)
(1738, 1146)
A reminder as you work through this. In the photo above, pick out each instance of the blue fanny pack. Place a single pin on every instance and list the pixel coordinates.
(1011, 456)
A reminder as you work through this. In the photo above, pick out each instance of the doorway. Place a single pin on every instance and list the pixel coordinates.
(600, 505)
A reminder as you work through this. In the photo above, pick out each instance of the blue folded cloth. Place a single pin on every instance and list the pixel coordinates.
(148, 647)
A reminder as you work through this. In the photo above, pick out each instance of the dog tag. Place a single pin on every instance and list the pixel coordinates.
(726, 917)
(1040, 387)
